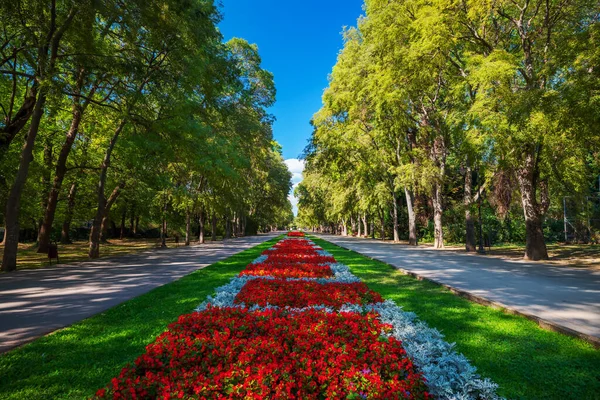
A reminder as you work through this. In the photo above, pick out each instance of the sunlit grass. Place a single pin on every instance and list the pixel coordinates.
(526, 361)
(74, 362)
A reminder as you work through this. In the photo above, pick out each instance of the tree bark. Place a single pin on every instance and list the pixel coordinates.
(382, 223)
(227, 227)
(109, 203)
(359, 233)
(13, 204)
(61, 165)
(527, 176)
(137, 224)
(437, 216)
(439, 158)
(468, 200)
(132, 219)
(213, 227)
(413, 239)
(123, 216)
(47, 55)
(188, 226)
(15, 124)
(201, 227)
(65, 237)
(365, 224)
(395, 218)
(94, 251)
(163, 230)
(46, 177)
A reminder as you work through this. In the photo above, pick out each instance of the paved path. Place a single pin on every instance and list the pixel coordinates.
(36, 302)
(565, 296)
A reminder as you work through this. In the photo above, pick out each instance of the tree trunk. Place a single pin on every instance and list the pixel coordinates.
(413, 239)
(123, 216)
(163, 230)
(46, 177)
(437, 216)
(94, 251)
(227, 227)
(395, 218)
(359, 233)
(188, 226)
(213, 227)
(14, 125)
(201, 227)
(382, 223)
(109, 203)
(46, 57)
(61, 165)
(132, 220)
(137, 224)
(344, 228)
(66, 228)
(365, 224)
(527, 176)
(468, 200)
(13, 204)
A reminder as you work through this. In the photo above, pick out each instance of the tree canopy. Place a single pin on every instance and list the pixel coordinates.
(138, 111)
(444, 105)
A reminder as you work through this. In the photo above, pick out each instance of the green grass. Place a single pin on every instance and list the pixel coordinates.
(525, 360)
(74, 362)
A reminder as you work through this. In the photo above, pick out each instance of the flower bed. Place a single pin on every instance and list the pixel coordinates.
(299, 258)
(299, 294)
(296, 324)
(295, 234)
(288, 270)
(236, 354)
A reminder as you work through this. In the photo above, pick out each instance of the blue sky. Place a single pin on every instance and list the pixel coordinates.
(298, 42)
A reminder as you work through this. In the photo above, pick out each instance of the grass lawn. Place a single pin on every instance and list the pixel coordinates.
(74, 362)
(29, 258)
(526, 361)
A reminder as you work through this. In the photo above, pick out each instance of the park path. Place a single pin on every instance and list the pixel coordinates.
(565, 297)
(36, 302)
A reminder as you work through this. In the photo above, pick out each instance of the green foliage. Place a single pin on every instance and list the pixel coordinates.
(425, 92)
(196, 130)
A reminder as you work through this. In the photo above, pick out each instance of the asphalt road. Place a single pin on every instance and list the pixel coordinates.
(568, 297)
(36, 302)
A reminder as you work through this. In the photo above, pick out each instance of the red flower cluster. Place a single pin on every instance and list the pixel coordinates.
(225, 353)
(288, 270)
(298, 294)
(298, 258)
(295, 234)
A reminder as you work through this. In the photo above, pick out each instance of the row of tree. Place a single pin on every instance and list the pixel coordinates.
(119, 110)
(443, 104)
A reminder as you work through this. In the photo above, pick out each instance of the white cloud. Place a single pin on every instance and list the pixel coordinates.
(296, 167)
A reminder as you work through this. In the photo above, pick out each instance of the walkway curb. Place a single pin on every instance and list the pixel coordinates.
(542, 323)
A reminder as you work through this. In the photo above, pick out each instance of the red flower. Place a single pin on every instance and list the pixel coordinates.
(298, 294)
(235, 354)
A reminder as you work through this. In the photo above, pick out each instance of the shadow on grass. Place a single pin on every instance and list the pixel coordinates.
(526, 361)
(76, 361)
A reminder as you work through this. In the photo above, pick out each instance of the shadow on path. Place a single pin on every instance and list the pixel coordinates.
(568, 297)
(36, 302)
